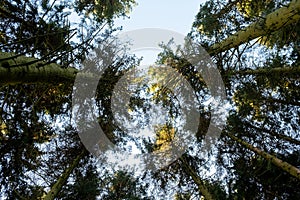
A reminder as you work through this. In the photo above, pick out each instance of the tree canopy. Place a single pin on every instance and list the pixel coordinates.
(253, 44)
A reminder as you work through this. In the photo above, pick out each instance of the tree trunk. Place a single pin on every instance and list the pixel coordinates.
(25, 70)
(281, 17)
(202, 188)
(292, 170)
(269, 100)
(274, 134)
(56, 188)
(266, 71)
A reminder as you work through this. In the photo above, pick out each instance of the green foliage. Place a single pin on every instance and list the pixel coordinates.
(123, 186)
(206, 22)
(254, 8)
(32, 33)
(38, 140)
(257, 175)
(85, 186)
(282, 37)
(105, 9)
(183, 196)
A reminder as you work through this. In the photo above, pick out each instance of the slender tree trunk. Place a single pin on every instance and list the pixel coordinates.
(264, 71)
(25, 70)
(56, 188)
(269, 100)
(274, 134)
(274, 21)
(292, 170)
(202, 188)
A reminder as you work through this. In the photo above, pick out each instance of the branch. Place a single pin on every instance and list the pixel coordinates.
(281, 17)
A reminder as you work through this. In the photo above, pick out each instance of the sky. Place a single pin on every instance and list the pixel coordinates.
(174, 15)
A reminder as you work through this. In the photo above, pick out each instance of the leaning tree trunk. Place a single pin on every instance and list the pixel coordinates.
(56, 188)
(274, 21)
(265, 71)
(292, 170)
(202, 188)
(16, 69)
(274, 134)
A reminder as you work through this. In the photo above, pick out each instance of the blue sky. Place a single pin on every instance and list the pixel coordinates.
(176, 15)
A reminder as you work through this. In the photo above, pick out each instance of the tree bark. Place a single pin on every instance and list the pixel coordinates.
(266, 71)
(202, 188)
(274, 21)
(25, 70)
(56, 188)
(292, 170)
